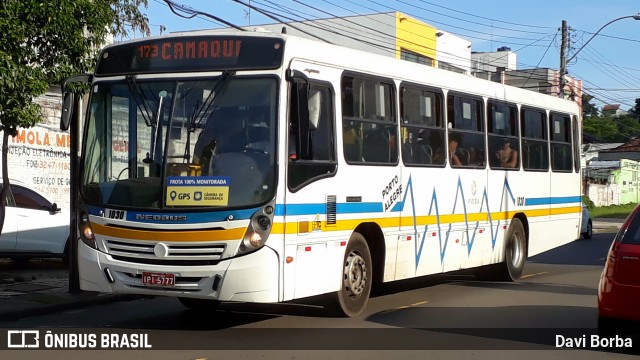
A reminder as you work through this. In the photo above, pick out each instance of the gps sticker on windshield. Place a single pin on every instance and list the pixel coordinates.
(197, 190)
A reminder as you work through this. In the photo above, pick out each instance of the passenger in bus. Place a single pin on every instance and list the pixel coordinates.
(436, 142)
(476, 157)
(454, 140)
(507, 156)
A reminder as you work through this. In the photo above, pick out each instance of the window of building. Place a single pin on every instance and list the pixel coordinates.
(415, 57)
(450, 67)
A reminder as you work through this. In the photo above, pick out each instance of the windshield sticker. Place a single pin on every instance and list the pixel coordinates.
(198, 190)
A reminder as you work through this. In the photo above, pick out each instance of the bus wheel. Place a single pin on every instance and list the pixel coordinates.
(357, 277)
(515, 251)
(199, 304)
(515, 255)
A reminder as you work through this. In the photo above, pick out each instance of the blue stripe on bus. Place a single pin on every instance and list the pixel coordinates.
(191, 217)
(552, 200)
(341, 208)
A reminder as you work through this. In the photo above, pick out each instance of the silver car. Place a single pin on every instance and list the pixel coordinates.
(587, 226)
(33, 227)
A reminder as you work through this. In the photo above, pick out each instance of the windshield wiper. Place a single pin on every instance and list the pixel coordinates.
(200, 113)
(149, 158)
(139, 98)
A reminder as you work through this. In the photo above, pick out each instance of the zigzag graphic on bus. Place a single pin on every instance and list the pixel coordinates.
(506, 190)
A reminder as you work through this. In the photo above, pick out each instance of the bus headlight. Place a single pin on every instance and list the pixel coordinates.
(255, 239)
(258, 230)
(86, 232)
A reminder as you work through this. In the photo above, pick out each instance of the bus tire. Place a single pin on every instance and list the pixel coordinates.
(199, 304)
(515, 254)
(589, 233)
(515, 251)
(357, 277)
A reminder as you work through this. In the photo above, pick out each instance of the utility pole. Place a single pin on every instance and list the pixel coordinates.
(563, 57)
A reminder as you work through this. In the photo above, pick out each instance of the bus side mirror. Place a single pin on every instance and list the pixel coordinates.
(67, 111)
(69, 100)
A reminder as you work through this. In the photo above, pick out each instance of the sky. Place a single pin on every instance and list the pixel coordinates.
(609, 64)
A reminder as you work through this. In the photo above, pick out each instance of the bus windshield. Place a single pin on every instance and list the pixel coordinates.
(171, 144)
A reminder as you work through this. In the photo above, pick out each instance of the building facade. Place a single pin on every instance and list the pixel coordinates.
(389, 34)
(39, 156)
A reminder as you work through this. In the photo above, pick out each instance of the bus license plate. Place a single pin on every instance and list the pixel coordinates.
(158, 279)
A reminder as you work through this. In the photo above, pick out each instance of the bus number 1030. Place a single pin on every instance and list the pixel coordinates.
(115, 214)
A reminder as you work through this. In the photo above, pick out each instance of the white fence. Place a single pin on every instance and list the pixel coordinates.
(604, 194)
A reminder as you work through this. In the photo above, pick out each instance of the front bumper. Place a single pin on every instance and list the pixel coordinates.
(250, 278)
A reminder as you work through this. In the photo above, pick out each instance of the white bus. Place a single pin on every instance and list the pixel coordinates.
(261, 167)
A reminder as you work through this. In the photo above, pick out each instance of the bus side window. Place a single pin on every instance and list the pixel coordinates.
(504, 149)
(352, 142)
(422, 134)
(468, 128)
(321, 158)
(534, 139)
(376, 146)
(369, 124)
(561, 147)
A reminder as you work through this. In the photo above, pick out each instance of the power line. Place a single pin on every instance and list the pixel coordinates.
(163, 3)
(486, 18)
(465, 20)
(191, 13)
(358, 34)
(391, 48)
(271, 16)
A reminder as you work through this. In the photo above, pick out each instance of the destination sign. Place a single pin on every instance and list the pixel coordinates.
(191, 53)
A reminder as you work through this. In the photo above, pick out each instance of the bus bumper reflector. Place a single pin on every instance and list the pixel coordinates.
(110, 278)
(216, 282)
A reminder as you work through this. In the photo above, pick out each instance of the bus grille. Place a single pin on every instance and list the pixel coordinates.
(143, 252)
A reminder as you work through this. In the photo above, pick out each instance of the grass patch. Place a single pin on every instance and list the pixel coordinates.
(613, 211)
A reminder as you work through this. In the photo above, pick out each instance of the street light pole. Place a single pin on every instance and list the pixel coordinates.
(563, 63)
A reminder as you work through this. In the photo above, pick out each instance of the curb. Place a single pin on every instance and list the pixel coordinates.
(66, 302)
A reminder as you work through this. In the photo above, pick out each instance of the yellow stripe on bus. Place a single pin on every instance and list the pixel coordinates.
(155, 235)
(391, 222)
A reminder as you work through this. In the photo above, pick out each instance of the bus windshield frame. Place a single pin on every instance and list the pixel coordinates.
(181, 143)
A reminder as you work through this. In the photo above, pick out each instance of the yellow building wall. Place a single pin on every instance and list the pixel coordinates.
(415, 36)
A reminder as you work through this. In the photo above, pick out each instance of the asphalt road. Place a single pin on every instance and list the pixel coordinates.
(450, 316)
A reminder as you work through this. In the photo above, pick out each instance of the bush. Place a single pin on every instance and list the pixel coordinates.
(588, 202)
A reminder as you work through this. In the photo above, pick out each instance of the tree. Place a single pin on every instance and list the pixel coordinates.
(614, 129)
(636, 109)
(601, 128)
(43, 43)
(589, 110)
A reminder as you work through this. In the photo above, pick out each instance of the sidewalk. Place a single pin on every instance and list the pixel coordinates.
(606, 224)
(42, 286)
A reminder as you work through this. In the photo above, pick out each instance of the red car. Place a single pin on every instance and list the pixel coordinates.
(619, 289)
